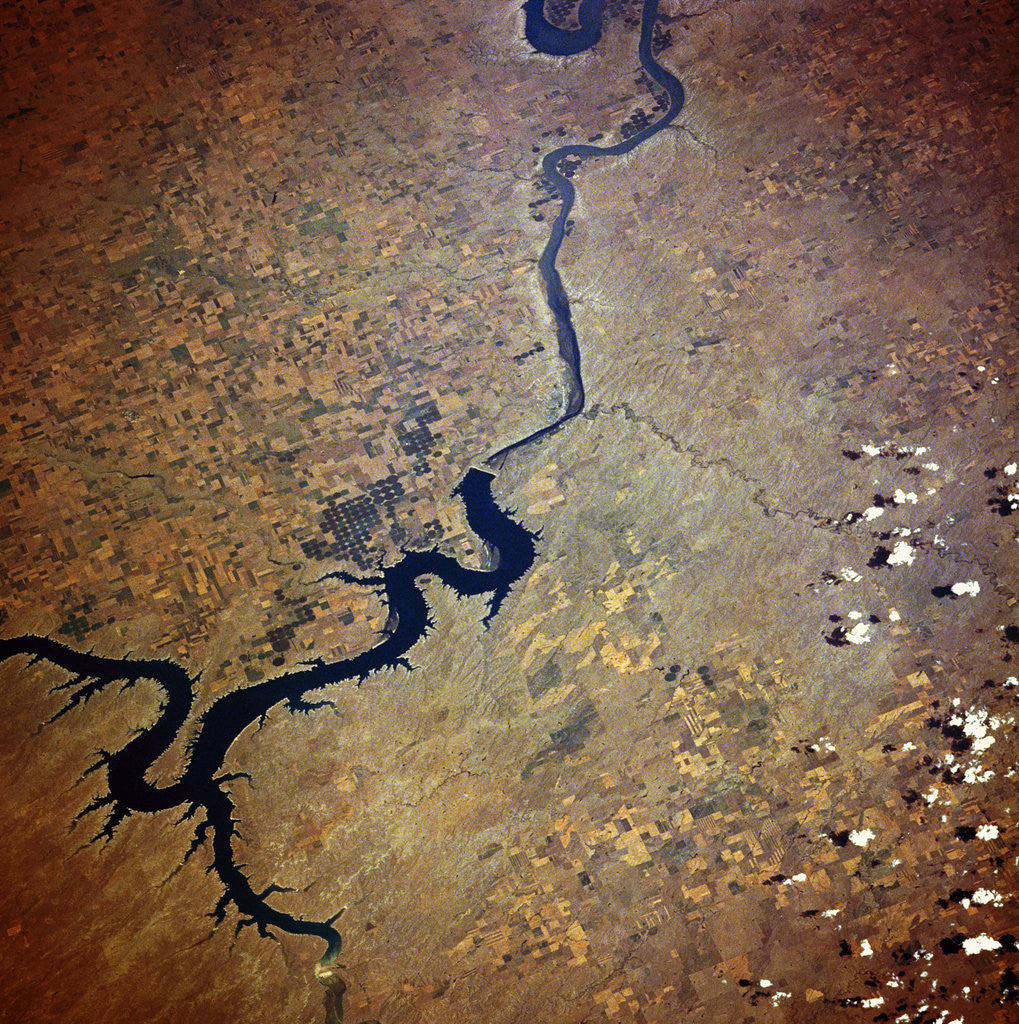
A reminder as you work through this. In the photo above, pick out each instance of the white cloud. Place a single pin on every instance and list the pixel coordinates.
(860, 837)
(984, 896)
(902, 554)
(980, 944)
(859, 634)
(971, 587)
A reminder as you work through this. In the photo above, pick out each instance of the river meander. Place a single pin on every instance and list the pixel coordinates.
(201, 792)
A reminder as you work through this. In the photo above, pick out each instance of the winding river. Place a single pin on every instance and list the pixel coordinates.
(201, 790)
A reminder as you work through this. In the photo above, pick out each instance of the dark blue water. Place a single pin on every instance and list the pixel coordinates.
(200, 788)
(557, 42)
(201, 791)
(548, 39)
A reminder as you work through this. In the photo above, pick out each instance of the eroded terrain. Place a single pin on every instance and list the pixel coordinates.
(741, 744)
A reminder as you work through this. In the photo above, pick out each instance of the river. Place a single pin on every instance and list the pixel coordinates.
(201, 791)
